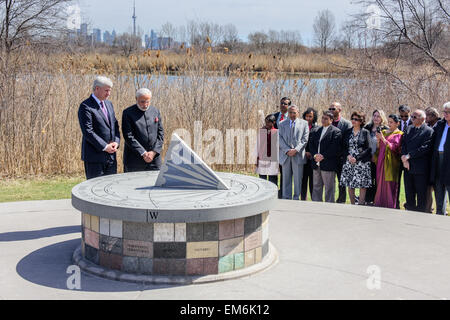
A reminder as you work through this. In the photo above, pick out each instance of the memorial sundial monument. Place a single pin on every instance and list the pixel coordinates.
(183, 224)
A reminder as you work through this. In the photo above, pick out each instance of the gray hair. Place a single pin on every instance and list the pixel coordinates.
(293, 106)
(422, 113)
(101, 82)
(143, 92)
(446, 105)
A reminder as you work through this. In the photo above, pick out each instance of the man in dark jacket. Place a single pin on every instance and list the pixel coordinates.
(416, 147)
(325, 146)
(100, 129)
(440, 167)
(343, 125)
(143, 133)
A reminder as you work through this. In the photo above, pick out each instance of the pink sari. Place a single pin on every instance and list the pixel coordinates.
(388, 170)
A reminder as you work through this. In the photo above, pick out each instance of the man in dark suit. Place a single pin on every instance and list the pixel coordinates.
(416, 148)
(325, 146)
(283, 114)
(343, 125)
(405, 121)
(143, 133)
(100, 129)
(440, 167)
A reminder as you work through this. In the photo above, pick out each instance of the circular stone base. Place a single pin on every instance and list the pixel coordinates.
(269, 261)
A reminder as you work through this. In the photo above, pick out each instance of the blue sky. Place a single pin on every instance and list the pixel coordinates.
(247, 15)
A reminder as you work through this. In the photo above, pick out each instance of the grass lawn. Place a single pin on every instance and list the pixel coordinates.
(59, 187)
(41, 188)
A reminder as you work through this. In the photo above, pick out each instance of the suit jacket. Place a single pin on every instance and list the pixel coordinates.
(408, 123)
(143, 132)
(299, 140)
(277, 114)
(97, 130)
(365, 152)
(343, 125)
(439, 131)
(417, 142)
(330, 147)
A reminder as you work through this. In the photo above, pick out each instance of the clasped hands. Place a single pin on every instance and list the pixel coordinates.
(351, 159)
(318, 158)
(292, 153)
(149, 156)
(112, 147)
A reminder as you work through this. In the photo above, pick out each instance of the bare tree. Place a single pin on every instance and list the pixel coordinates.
(168, 30)
(230, 36)
(324, 29)
(25, 21)
(128, 43)
(258, 40)
(420, 26)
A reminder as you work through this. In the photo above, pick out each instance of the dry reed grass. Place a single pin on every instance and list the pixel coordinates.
(40, 134)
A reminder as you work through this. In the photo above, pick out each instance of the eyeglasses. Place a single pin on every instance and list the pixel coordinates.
(332, 109)
(447, 112)
(284, 104)
(404, 117)
(356, 119)
(415, 117)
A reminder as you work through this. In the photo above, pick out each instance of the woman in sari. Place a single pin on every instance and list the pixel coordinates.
(388, 164)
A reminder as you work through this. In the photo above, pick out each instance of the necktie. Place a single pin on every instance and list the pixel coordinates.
(282, 117)
(105, 112)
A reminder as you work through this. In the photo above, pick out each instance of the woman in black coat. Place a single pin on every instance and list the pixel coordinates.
(358, 154)
(310, 115)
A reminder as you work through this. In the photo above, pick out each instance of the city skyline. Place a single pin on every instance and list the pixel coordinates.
(117, 14)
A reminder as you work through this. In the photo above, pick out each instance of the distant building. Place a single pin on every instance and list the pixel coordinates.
(84, 30)
(97, 35)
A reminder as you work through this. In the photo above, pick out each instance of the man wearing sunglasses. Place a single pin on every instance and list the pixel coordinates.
(440, 170)
(416, 147)
(343, 125)
(281, 116)
(405, 121)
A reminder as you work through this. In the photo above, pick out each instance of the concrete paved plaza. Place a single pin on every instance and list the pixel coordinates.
(326, 251)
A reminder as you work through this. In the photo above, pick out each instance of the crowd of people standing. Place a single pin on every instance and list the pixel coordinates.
(371, 155)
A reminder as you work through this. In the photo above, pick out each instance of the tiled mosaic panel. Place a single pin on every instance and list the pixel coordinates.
(175, 248)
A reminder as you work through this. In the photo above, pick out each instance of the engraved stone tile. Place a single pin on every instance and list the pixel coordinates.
(226, 229)
(111, 245)
(194, 232)
(137, 231)
(161, 266)
(211, 231)
(115, 228)
(238, 261)
(253, 240)
(239, 227)
(134, 248)
(95, 224)
(194, 267)
(206, 249)
(231, 246)
(265, 233)
(91, 238)
(91, 254)
(211, 265)
(130, 264)
(164, 232)
(249, 258)
(169, 266)
(110, 261)
(180, 232)
(258, 255)
(226, 264)
(169, 250)
(145, 265)
(104, 226)
(265, 248)
(250, 225)
(86, 220)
